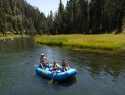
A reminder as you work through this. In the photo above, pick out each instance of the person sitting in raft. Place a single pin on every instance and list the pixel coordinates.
(54, 66)
(64, 65)
(42, 59)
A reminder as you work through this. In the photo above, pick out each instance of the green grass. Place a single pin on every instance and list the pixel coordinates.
(102, 42)
(9, 36)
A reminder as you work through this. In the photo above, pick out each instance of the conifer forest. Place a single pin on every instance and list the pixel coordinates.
(77, 17)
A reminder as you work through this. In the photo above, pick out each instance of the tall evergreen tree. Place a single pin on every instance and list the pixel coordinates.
(60, 27)
(83, 16)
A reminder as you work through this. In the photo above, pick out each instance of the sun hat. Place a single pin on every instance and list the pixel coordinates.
(42, 54)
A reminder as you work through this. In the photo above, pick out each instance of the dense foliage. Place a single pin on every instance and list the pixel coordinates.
(18, 16)
(78, 16)
(90, 17)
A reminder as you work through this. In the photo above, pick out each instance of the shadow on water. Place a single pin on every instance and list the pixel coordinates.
(67, 83)
(58, 86)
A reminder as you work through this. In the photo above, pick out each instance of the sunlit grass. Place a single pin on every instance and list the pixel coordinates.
(103, 42)
(9, 36)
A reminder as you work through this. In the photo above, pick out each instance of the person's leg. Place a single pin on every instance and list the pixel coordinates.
(64, 69)
(42, 66)
(49, 64)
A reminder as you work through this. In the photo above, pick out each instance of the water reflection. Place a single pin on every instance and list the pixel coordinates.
(97, 64)
(111, 66)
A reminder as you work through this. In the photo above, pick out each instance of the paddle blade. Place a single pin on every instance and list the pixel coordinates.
(51, 81)
(57, 64)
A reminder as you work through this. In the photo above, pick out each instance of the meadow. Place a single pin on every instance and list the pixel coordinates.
(109, 42)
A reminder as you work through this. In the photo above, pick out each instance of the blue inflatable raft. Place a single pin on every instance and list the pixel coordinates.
(59, 75)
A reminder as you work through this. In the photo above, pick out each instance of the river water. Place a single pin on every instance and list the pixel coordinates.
(98, 73)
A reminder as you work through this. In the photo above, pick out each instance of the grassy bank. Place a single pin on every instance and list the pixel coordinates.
(10, 36)
(103, 42)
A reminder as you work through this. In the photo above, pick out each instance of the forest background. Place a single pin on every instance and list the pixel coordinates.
(77, 17)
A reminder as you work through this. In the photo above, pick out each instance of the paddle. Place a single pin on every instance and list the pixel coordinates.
(54, 71)
(51, 81)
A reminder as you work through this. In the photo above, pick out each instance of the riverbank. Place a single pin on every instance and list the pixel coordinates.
(109, 42)
(10, 37)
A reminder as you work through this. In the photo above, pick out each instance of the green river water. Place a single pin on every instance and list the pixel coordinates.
(98, 73)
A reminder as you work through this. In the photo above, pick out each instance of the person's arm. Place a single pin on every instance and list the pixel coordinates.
(56, 66)
(67, 64)
(40, 60)
(53, 68)
(47, 59)
(62, 64)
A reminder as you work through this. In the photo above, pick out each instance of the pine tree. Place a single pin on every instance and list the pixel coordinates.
(60, 18)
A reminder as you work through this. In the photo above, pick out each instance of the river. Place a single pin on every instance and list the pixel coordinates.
(98, 73)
